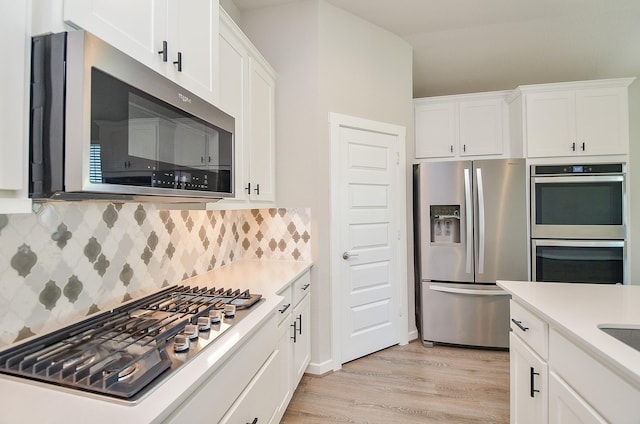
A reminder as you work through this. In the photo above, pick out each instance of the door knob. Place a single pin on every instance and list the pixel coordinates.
(347, 255)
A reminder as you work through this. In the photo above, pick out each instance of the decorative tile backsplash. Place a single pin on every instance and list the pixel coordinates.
(72, 259)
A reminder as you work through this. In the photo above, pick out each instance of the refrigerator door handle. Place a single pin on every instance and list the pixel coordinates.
(469, 219)
(481, 292)
(481, 229)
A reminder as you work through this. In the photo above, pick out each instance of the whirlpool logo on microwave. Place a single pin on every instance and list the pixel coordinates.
(184, 98)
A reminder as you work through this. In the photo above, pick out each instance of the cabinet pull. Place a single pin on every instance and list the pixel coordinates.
(573, 147)
(201, 159)
(533, 391)
(179, 62)
(284, 308)
(519, 324)
(305, 287)
(300, 325)
(248, 188)
(257, 189)
(164, 51)
(464, 147)
(451, 148)
(583, 146)
(295, 331)
(255, 421)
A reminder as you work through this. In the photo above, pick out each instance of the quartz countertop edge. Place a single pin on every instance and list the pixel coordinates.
(266, 277)
(576, 310)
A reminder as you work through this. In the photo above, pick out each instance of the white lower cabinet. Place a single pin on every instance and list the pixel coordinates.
(528, 384)
(556, 381)
(567, 407)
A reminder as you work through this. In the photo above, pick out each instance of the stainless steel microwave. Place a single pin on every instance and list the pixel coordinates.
(104, 126)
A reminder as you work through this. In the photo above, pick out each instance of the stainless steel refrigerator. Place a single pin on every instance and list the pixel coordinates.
(470, 221)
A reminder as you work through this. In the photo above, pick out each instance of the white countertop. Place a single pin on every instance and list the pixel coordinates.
(26, 401)
(576, 310)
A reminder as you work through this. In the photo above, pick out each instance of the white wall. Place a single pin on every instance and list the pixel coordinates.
(327, 60)
(634, 182)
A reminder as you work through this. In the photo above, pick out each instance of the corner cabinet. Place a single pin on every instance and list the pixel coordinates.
(14, 107)
(462, 125)
(176, 38)
(574, 119)
(247, 92)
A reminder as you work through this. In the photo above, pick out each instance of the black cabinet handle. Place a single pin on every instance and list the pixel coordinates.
(583, 146)
(179, 62)
(164, 51)
(248, 188)
(257, 189)
(201, 159)
(305, 287)
(573, 147)
(451, 147)
(295, 331)
(532, 374)
(300, 325)
(464, 147)
(255, 421)
(284, 308)
(519, 324)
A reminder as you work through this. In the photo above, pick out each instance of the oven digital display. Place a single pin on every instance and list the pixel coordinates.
(578, 168)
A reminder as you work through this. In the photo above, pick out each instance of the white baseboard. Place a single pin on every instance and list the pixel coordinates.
(321, 368)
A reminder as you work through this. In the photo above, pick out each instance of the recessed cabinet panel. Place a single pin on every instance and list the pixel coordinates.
(550, 124)
(481, 127)
(435, 128)
(602, 121)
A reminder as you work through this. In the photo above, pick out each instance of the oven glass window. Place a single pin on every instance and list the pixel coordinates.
(139, 140)
(579, 264)
(592, 203)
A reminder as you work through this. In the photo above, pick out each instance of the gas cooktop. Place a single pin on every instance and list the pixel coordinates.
(124, 352)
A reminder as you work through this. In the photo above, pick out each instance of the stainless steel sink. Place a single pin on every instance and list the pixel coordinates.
(627, 335)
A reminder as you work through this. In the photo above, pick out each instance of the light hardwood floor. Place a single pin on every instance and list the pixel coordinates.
(408, 384)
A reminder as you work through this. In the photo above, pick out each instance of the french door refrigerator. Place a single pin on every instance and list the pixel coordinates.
(470, 222)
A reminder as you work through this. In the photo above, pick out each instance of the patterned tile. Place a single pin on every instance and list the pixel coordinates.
(68, 260)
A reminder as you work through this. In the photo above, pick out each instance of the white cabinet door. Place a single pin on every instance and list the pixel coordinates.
(481, 127)
(232, 77)
(302, 342)
(528, 384)
(435, 126)
(550, 124)
(193, 33)
(14, 103)
(567, 407)
(262, 130)
(135, 27)
(602, 121)
(139, 29)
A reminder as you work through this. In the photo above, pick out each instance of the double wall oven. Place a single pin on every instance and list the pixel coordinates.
(578, 223)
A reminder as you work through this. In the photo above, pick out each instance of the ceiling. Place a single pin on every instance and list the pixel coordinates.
(463, 46)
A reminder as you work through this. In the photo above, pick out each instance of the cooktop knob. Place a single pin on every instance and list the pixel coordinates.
(229, 310)
(191, 331)
(215, 316)
(204, 324)
(180, 343)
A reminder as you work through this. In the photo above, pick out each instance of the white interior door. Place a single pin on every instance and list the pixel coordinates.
(368, 240)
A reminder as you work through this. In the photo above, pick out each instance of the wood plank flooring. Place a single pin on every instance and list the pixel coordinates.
(408, 384)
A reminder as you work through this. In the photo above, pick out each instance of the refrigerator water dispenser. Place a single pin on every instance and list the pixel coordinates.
(445, 223)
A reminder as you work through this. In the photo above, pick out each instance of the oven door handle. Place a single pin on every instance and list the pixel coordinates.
(577, 243)
(468, 220)
(579, 179)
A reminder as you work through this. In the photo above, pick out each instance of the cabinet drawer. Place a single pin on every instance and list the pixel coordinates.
(301, 287)
(529, 328)
(610, 395)
(286, 305)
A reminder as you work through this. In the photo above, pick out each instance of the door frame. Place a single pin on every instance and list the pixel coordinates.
(336, 122)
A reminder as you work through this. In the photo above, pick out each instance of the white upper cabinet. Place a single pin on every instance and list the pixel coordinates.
(462, 125)
(583, 118)
(176, 38)
(247, 92)
(14, 107)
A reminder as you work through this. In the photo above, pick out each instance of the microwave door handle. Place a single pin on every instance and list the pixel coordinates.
(481, 228)
(469, 218)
